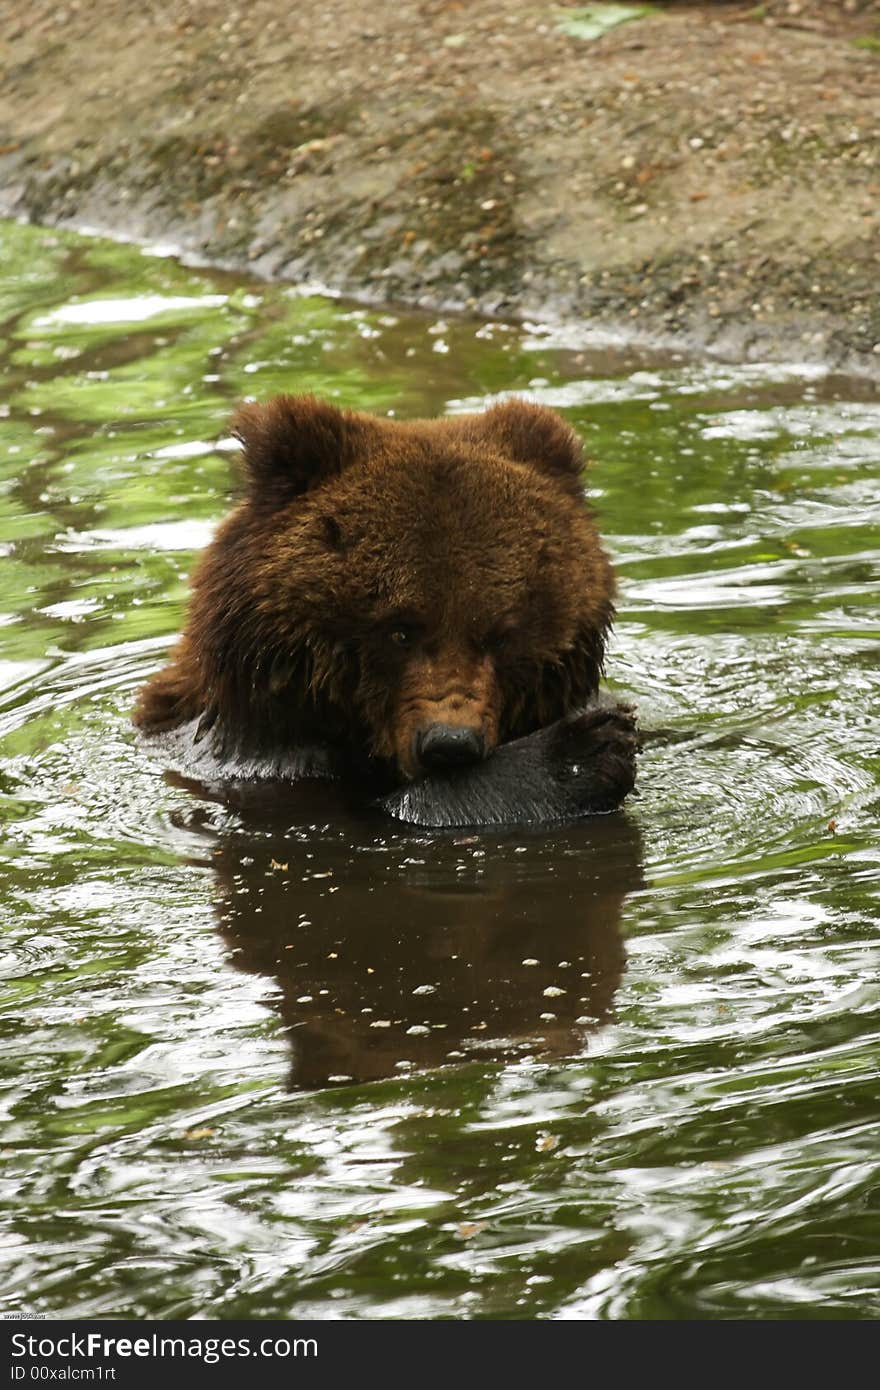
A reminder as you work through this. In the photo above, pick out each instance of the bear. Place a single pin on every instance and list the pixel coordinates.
(393, 601)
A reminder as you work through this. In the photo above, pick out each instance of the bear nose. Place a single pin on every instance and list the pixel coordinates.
(448, 745)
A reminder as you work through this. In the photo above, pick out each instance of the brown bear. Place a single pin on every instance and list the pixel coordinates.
(397, 596)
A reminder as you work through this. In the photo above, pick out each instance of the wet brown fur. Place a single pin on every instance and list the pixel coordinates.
(381, 575)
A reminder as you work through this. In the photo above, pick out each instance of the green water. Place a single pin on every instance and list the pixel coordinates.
(691, 1128)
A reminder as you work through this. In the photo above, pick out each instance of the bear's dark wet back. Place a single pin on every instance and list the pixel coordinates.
(394, 949)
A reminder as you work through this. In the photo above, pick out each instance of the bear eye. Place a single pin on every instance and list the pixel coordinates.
(401, 636)
(496, 641)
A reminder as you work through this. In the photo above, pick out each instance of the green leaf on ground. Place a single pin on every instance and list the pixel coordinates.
(592, 21)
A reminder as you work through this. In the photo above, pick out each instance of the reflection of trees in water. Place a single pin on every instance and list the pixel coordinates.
(395, 948)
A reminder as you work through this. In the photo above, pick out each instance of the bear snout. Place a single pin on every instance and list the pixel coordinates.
(448, 745)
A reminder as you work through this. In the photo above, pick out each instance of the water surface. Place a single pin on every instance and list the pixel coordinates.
(291, 1061)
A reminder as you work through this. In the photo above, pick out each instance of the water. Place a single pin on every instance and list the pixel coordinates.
(288, 1061)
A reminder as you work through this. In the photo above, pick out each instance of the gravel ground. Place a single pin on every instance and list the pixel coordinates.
(706, 176)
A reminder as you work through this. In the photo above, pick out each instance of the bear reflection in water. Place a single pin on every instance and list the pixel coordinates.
(395, 949)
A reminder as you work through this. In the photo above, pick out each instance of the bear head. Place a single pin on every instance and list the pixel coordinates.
(414, 591)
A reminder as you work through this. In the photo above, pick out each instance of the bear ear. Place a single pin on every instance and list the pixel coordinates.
(292, 444)
(534, 435)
